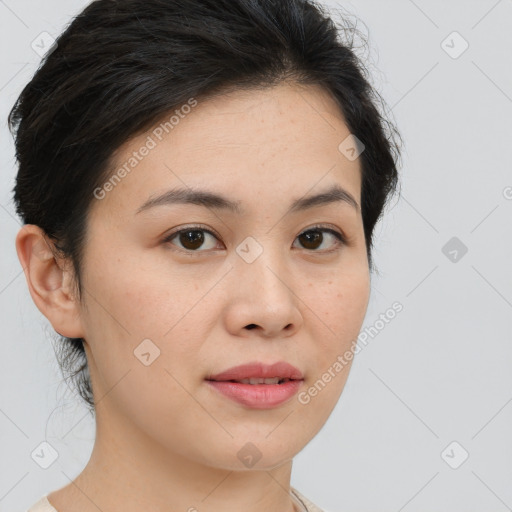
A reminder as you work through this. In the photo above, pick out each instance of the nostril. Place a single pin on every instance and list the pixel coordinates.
(251, 326)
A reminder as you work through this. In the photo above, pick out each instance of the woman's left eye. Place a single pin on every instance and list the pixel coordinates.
(194, 238)
(312, 238)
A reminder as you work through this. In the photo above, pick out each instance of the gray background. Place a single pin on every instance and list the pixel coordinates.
(439, 372)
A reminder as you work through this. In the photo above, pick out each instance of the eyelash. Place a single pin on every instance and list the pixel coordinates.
(341, 239)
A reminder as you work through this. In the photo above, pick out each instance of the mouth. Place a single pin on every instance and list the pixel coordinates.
(258, 386)
(256, 380)
(259, 373)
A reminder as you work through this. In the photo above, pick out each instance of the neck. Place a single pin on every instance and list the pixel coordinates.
(128, 472)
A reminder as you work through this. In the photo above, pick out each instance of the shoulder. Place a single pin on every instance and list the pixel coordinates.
(42, 505)
(310, 506)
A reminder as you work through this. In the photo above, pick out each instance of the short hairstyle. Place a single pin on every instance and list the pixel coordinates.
(123, 65)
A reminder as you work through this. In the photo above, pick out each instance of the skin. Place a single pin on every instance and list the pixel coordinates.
(165, 440)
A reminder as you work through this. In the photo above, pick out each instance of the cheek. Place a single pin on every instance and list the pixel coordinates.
(337, 312)
(339, 307)
(143, 345)
(138, 300)
(135, 315)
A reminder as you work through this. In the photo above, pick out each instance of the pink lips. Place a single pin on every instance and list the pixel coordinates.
(258, 396)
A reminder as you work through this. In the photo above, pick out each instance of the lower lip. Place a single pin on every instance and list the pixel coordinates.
(257, 396)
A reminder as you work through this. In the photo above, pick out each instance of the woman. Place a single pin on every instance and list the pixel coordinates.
(199, 183)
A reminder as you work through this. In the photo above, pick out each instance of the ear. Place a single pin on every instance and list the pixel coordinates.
(49, 280)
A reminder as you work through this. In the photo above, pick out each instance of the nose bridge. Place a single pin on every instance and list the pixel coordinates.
(261, 271)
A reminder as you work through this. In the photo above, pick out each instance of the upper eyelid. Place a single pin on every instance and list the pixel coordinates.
(193, 227)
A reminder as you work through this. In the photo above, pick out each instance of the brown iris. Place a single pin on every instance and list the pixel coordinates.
(192, 239)
(309, 238)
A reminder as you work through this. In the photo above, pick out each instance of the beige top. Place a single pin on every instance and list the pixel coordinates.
(43, 505)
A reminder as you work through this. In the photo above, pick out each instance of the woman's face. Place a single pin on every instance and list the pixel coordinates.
(257, 282)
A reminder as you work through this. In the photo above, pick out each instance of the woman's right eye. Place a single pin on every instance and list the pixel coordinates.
(191, 239)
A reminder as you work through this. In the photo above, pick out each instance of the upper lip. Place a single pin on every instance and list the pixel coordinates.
(281, 369)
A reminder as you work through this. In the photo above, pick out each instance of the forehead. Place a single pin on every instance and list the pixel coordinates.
(248, 144)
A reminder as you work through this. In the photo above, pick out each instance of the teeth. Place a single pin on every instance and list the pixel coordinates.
(256, 380)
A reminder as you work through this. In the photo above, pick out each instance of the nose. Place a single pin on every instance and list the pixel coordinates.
(262, 299)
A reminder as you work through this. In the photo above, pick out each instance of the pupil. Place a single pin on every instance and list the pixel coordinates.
(192, 239)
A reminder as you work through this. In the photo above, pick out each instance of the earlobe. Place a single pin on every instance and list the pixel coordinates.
(49, 280)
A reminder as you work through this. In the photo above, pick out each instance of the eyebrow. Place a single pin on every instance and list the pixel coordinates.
(334, 194)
